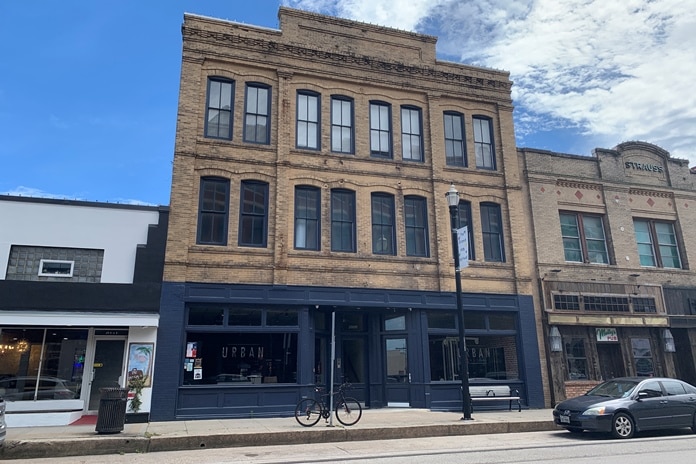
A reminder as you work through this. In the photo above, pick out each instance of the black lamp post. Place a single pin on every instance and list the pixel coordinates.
(453, 201)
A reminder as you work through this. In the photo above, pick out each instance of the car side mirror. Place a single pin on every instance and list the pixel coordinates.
(642, 395)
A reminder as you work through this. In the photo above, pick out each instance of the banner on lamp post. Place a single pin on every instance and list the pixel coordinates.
(463, 245)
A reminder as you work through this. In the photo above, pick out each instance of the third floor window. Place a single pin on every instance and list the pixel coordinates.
(257, 114)
(341, 125)
(483, 143)
(411, 139)
(218, 121)
(492, 230)
(253, 217)
(383, 231)
(455, 151)
(380, 129)
(342, 220)
(416, 221)
(308, 128)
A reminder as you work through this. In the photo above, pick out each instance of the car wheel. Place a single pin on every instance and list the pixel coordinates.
(622, 426)
(574, 430)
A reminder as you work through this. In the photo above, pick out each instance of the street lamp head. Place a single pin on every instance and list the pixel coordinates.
(452, 196)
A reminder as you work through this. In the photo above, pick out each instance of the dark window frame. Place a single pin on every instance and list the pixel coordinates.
(343, 222)
(308, 94)
(451, 140)
(378, 130)
(263, 137)
(219, 108)
(310, 222)
(253, 187)
(408, 134)
(416, 226)
(208, 212)
(383, 229)
(493, 241)
(484, 149)
(341, 126)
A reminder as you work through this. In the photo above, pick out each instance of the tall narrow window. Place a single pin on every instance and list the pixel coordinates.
(218, 121)
(583, 238)
(577, 359)
(257, 122)
(416, 222)
(411, 139)
(342, 220)
(483, 143)
(307, 218)
(455, 150)
(253, 218)
(342, 125)
(213, 211)
(308, 120)
(380, 129)
(465, 221)
(383, 231)
(657, 244)
(492, 231)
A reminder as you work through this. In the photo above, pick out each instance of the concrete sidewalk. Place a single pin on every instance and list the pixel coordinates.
(375, 424)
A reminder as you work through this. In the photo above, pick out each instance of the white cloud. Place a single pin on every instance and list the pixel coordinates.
(614, 71)
(22, 191)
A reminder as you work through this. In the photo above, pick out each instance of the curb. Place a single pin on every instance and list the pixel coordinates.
(124, 445)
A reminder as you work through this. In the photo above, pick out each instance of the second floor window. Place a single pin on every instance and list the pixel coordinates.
(455, 151)
(213, 211)
(341, 125)
(383, 232)
(307, 217)
(411, 139)
(380, 129)
(657, 244)
(464, 215)
(253, 214)
(257, 122)
(416, 222)
(218, 121)
(342, 220)
(308, 120)
(483, 143)
(492, 230)
(583, 238)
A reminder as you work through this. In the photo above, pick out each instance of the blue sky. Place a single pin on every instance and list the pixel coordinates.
(89, 89)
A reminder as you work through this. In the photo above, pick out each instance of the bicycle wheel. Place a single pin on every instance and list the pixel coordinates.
(348, 411)
(307, 412)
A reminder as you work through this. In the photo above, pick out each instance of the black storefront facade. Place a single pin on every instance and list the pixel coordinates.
(254, 350)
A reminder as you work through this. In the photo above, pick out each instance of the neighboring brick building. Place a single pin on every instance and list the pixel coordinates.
(80, 286)
(310, 169)
(615, 238)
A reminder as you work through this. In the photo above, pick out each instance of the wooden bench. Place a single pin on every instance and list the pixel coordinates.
(494, 393)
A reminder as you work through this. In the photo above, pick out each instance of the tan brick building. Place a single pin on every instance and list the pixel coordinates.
(615, 238)
(310, 169)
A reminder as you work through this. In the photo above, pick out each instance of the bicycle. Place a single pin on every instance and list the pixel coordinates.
(309, 410)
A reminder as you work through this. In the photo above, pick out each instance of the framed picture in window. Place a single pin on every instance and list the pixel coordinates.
(140, 361)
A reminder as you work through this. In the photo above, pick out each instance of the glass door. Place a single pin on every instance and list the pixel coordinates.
(107, 368)
(398, 378)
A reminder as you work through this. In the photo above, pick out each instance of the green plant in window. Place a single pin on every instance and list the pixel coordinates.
(136, 385)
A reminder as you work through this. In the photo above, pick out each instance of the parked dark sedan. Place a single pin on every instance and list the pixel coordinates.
(626, 405)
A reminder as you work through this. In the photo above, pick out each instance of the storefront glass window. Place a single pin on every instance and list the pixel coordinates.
(490, 357)
(577, 360)
(234, 358)
(642, 355)
(245, 317)
(58, 353)
(201, 315)
(395, 322)
(441, 320)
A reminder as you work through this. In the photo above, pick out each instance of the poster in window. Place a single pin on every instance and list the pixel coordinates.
(140, 361)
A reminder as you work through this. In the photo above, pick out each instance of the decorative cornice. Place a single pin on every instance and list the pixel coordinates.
(650, 193)
(578, 185)
(360, 60)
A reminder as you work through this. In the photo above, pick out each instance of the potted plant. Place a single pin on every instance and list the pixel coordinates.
(136, 383)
